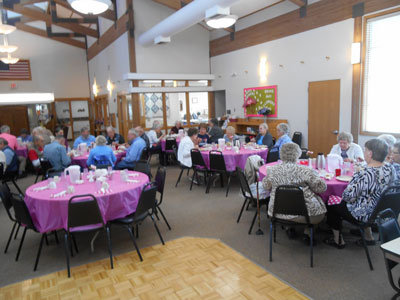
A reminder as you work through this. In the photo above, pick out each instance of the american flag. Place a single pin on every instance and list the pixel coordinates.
(19, 71)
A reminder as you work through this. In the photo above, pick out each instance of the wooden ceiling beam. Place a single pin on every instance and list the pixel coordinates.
(43, 33)
(298, 2)
(41, 16)
(26, 2)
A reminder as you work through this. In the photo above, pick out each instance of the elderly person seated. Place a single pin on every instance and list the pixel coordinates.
(101, 155)
(390, 140)
(215, 131)
(143, 135)
(43, 132)
(282, 130)
(290, 173)
(85, 137)
(56, 154)
(396, 161)
(60, 131)
(114, 138)
(11, 157)
(155, 141)
(202, 137)
(134, 152)
(361, 195)
(186, 145)
(25, 136)
(35, 151)
(176, 128)
(349, 151)
(11, 139)
(230, 136)
(263, 137)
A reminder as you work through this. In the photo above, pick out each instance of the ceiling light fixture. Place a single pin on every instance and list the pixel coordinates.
(26, 98)
(220, 17)
(90, 7)
(6, 48)
(9, 60)
(5, 28)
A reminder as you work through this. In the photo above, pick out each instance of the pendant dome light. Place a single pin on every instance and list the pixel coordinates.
(90, 7)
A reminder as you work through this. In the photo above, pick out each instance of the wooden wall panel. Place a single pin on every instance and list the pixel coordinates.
(356, 89)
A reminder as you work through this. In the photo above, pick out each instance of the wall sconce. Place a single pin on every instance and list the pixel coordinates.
(95, 88)
(355, 53)
(263, 69)
(110, 86)
(175, 84)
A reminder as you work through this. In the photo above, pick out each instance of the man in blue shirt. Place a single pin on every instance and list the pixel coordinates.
(56, 154)
(11, 157)
(282, 130)
(134, 151)
(85, 137)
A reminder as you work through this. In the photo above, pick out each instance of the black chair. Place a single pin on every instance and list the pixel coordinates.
(390, 198)
(6, 196)
(102, 162)
(297, 136)
(304, 154)
(289, 200)
(45, 165)
(83, 210)
(143, 167)
(181, 166)
(217, 166)
(160, 182)
(170, 143)
(23, 217)
(273, 156)
(198, 166)
(146, 155)
(249, 198)
(9, 176)
(389, 230)
(145, 208)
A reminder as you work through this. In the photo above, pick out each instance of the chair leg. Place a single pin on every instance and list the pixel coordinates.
(311, 246)
(179, 177)
(156, 213)
(248, 204)
(134, 242)
(66, 247)
(16, 186)
(274, 233)
(16, 233)
(44, 236)
(37, 177)
(165, 219)
(137, 231)
(47, 240)
(20, 244)
(75, 244)
(194, 173)
(158, 231)
(56, 237)
(221, 177)
(252, 223)
(229, 182)
(210, 179)
(10, 237)
(109, 247)
(241, 211)
(366, 249)
(271, 225)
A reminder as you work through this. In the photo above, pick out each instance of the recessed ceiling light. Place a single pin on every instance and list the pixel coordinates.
(221, 21)
(92, 7)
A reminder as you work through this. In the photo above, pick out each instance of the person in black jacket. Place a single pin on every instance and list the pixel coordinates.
(263, 137)
(114, 138)
(215, 131)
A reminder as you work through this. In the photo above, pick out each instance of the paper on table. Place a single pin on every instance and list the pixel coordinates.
(132, 181)
(60, 194)
(38, 189)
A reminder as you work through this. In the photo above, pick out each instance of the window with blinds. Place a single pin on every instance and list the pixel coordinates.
(381, 88)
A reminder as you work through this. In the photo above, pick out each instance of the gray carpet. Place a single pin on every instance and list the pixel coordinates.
(337, 274)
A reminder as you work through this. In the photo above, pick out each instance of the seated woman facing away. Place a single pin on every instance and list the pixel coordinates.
(263, 137)
(282, 130)
(348, 150)
(230, 136)
(101, 155)
(361, 195)
(290, 173)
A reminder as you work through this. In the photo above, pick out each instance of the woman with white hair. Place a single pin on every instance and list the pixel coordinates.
(290, 173)
(155, 141)
(230, 135)
(345, 148)
(263, 137)
(101, 154)
(390, 140)
(282, 130)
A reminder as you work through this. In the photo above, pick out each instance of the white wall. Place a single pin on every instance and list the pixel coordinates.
(293, 77)
(55, 67)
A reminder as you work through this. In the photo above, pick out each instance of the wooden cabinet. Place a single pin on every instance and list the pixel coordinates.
(243, 126)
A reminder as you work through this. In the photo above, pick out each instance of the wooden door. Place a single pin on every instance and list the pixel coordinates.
(16, 117)
(323, 115)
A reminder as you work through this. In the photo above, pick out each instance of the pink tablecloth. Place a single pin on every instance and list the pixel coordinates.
(334, 187)
(233, 159)
(81, 160)
(52, 213)
(164, 142)
(22, 151)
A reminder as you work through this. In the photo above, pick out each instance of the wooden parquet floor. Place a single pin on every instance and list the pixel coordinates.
(186, 268)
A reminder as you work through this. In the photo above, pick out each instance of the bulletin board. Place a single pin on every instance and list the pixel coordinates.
(257, 98)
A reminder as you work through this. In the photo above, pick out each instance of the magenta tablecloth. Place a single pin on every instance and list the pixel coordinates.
(233, 159)
(22, 151)
(334, 187)
(52, 213)
(164, 142)
(81, 160)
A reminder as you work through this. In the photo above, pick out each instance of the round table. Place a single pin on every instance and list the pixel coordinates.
(22, 151)
(82, 159)
(49, 213)
(334, 186)
(233, 159)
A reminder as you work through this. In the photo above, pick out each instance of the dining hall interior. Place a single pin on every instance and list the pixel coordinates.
(199, 149)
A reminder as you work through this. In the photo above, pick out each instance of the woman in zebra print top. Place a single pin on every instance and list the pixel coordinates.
(364, 190)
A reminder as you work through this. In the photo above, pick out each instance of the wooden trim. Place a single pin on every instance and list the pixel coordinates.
(164, 105)
(187, 104)
(72, 99)
(113, 33)
(211, 103)
(319, 14)
(356, 88)
(363, 55)
(298, 2)
(42, 33)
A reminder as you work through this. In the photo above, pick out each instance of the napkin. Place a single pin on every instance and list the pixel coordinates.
(132, 181)
(60, 194)
(38, 189)
(134, 175)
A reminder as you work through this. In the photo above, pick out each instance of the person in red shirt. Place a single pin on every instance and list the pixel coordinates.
(11, 139)
(36, 150)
